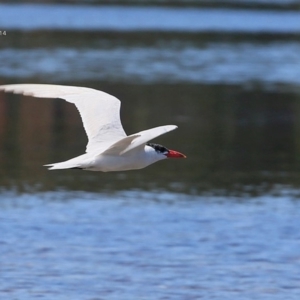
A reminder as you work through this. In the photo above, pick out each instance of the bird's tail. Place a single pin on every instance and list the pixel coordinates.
(62, 165)
(79, 162)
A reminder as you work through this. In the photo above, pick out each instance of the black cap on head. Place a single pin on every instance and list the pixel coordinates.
(158, 148)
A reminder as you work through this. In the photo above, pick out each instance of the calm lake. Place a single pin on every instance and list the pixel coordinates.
(221, 224)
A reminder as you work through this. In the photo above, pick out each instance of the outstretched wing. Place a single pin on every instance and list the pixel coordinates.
(99, 111)
(137, 140)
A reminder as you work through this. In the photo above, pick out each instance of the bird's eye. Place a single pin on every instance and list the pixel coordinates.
(159, 148)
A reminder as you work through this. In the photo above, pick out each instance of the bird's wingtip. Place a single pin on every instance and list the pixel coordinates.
(171, 127)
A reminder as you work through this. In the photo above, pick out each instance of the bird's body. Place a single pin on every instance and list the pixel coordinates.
(108, 148)
(109, 163)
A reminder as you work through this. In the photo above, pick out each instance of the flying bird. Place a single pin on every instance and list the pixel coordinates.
(108, 148)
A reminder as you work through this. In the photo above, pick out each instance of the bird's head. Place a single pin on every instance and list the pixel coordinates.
(164, 152)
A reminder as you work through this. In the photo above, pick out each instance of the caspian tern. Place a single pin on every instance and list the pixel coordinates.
(108, 148)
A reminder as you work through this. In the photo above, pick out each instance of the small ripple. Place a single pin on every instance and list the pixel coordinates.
(240, 63)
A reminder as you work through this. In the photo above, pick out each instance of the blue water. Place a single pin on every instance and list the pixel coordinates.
(123, 18)
(136, 245)
(240, 56)
(239, 63)
(171, 231)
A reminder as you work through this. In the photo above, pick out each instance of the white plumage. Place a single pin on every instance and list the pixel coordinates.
(108, 148)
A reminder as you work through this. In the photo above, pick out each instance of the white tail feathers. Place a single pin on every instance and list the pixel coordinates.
(78, 162)
(62, 165)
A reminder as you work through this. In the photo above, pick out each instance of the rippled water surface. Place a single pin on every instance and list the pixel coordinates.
(211, 63)
(222, 224)
(148, 246)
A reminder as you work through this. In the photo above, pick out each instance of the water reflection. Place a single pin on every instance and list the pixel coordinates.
(234, 139)
(228, 77)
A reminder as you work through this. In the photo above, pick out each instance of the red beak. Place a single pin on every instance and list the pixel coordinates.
(175, 154)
